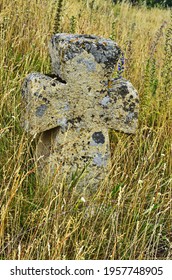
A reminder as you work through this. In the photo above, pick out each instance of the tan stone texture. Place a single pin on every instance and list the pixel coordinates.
(74, 110)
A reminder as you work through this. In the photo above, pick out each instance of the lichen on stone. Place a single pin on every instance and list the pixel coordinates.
(73, 108)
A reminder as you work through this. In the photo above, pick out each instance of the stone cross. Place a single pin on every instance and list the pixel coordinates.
(73, 108)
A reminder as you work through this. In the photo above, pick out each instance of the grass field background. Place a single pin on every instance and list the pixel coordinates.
(130, 215)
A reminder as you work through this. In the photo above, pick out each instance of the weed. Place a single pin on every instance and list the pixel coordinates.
(57, 21)
(72, 24)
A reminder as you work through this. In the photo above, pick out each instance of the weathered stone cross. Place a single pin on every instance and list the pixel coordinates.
(74, 108)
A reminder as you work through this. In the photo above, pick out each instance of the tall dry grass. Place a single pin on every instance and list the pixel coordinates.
(129, 217)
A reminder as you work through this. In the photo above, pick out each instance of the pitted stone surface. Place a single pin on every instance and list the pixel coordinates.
(104, 50)
(74, 116)
(95, 53)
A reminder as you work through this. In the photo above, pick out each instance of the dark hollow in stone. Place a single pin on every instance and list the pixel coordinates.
(56, 77)
(98, 137)
(75, 120)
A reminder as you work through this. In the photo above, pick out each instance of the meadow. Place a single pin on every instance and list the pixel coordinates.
(132, 217)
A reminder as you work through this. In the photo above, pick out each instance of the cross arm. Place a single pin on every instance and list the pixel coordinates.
(45, 103)
(117, 106)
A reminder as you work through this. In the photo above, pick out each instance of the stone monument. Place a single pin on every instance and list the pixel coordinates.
(72, 109)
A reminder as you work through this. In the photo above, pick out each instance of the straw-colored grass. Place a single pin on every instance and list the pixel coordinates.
(129, 217)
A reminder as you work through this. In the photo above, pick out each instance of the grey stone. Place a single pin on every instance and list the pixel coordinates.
(73, 111)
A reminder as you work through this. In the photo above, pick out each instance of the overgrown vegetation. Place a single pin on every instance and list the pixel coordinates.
(129, 217)
(148, 3)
